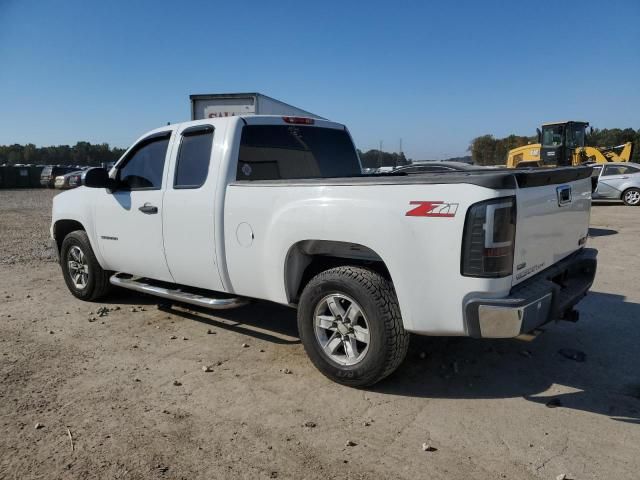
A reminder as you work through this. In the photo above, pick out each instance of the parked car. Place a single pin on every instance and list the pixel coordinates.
(217, 211)
(50, 172)
(68, 180)
(428, 167)
(618, 181)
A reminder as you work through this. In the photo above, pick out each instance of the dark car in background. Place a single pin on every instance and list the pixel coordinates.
(437, 167)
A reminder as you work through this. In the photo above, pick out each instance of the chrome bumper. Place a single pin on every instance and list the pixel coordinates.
(549, 295)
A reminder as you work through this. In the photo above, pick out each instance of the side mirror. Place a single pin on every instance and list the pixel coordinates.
(97, 178)
(539, 135)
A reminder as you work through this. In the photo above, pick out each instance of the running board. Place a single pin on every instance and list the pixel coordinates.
(176, 294)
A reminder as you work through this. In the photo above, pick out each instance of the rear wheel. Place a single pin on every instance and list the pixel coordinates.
(82, 273)
(350, 325)
(631, 197)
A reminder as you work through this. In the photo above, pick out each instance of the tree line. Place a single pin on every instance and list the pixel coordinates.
(489, 150)
(378, 158)
(85, 153)
(485, 150)
(82, 153)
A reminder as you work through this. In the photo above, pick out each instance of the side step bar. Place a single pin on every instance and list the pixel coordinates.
(176, 294)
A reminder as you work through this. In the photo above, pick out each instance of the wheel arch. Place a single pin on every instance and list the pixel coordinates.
(62, 228)
(307, 258)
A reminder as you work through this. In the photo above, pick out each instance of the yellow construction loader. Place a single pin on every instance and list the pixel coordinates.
(561, 144)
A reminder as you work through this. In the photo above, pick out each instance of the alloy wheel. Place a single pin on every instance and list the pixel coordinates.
(78, 268)
(341, 329)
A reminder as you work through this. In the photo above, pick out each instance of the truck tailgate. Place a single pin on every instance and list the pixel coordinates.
(552, 222)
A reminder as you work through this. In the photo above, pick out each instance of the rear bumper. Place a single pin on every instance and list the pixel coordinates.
(549, 295)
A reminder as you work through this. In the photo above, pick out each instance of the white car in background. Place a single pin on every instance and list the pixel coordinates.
(618, 181)
(68, 180)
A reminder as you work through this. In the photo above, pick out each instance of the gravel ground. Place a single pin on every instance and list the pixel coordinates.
(25, 216)
(124, 396)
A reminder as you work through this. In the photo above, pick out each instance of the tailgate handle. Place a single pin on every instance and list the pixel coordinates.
(564, 195)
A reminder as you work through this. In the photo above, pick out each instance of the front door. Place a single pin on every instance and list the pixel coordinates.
(129, 218)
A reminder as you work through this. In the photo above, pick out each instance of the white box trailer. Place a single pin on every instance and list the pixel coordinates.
(232, 104)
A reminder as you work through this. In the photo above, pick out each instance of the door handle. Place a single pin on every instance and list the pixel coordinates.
(148, 209)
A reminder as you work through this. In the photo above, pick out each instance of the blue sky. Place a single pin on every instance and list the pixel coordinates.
(435, 74)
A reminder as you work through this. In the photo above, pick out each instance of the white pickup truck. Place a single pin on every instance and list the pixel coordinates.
(215, 212)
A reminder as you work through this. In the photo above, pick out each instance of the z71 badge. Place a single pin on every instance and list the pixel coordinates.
(432, 209)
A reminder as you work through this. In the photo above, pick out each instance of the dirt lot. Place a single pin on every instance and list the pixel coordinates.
(125, 396)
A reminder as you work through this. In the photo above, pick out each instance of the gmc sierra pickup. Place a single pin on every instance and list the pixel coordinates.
(215, 212)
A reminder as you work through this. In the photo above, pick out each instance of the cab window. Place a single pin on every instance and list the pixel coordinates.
(552, 135)
(282, 152)
(575, 135)
(143, 167)
(192, 164)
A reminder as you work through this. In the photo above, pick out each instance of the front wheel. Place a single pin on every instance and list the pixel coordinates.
(631, 197)
(82, 273)
(350, 325)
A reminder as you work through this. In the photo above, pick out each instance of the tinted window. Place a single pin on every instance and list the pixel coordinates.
(144, 166)
(552, 135)
(272, 152)
(575, 135)
(193, 157)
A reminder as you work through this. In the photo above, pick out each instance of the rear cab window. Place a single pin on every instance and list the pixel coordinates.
(192, 164)
(282, 152)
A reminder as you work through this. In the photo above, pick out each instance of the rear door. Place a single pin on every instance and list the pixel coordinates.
(128, 220)
(189, 209)
(553, 221)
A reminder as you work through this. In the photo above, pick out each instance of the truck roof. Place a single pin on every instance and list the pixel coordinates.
(251, 120)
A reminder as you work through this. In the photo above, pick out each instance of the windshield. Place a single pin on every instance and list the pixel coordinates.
(575, 135)
(552, 135)
(275, 152)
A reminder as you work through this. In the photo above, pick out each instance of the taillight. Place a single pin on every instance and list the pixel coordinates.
(299, 120)
(489, 237)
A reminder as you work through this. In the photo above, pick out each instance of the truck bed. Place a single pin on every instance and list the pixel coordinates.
(498, 179)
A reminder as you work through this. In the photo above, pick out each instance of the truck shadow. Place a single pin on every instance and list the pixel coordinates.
(607, 203)
(261, 320)
(606, 382)
(601, 232)
(256, 320)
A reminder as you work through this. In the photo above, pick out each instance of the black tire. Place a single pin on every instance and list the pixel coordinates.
(631, 197)
(388, 341)
(97, 282)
